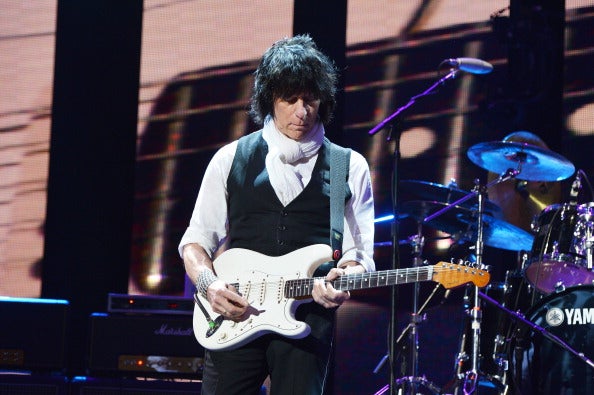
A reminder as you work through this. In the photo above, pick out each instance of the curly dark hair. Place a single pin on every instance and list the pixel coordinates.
(294, 66)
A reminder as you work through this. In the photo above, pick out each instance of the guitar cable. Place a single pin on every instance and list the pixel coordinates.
(213, 325)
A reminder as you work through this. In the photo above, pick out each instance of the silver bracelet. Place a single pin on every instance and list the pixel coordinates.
(205, 278)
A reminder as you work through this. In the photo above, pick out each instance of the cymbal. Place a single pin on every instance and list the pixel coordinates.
(461, 223)
(521, 201)
(444, 194)
(534, 163)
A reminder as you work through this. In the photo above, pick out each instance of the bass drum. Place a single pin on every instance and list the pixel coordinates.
(542, 367)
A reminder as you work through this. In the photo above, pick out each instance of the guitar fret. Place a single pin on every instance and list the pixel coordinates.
(383, 277)
(357, 283)
(298, 287)
(306, 287)
(290, 288)
(372, 280)
(402, 277)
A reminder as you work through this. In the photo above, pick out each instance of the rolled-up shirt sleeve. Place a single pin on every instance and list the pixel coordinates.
(208, 223)
(359, 226)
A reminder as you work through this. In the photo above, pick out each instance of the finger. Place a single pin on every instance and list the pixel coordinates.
(228, 312)
(320, 287)
(238, 301)
(334, 273)
(235, 298)
(318, 291)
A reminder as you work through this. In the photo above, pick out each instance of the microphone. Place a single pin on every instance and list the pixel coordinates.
(470, 65)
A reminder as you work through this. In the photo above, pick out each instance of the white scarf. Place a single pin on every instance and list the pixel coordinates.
(284, 154)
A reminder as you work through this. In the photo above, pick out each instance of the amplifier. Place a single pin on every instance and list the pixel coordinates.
(83, 385)
(32, 384)
(149, 304)
(33, 334)
(137, 345)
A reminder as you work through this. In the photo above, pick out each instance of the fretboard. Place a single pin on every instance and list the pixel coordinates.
(303, 287)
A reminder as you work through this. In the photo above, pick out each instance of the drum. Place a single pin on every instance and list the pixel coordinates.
(497, 328)
(561, 253)
(542, 367)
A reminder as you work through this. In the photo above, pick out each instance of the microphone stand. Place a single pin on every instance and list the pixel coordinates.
(395, 229)
(450, 76)
(470, 379)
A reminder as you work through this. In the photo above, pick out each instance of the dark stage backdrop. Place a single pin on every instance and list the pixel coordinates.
(196, 78)
(195, 85)
(197, 59)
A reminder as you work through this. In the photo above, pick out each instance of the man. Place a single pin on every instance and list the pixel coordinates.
(268, 192)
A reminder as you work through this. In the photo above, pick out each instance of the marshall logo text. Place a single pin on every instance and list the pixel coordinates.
(165, 330)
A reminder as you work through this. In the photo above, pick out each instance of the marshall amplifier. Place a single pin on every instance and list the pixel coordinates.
(149, 304)
(137, 345)
(33, 334)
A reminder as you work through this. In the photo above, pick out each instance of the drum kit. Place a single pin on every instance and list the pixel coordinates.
(533, 331)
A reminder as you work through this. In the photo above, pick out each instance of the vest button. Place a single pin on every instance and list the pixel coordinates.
(281, 243)
(284, 213)
(282, 227)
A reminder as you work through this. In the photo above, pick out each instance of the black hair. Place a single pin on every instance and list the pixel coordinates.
(294, 66)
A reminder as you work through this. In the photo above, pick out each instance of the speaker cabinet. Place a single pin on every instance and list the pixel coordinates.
(113, 386)
(33, 334)
(17, 384)
(153, 345)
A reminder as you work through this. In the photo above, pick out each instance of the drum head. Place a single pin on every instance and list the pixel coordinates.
(559, 251)
(540, 366)
(547, 275)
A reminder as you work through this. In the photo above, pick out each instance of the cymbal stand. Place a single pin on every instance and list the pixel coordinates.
(471, 377)
(415, 318)
(411, 381)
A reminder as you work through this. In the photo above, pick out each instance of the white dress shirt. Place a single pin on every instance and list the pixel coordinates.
(209, 222)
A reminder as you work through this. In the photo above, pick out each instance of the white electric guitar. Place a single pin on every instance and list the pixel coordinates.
(276, 286)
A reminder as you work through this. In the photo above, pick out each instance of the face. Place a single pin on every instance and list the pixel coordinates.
(295, 116)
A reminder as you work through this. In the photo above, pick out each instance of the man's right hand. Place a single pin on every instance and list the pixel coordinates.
(225, 300)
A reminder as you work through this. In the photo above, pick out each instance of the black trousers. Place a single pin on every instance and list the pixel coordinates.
(295, 366)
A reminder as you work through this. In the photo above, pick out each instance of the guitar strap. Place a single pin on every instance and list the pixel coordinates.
(339, 161)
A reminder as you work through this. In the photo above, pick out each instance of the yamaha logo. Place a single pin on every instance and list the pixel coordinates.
(555, 316)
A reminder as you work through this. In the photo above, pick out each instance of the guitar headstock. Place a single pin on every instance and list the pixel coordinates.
(452, 275)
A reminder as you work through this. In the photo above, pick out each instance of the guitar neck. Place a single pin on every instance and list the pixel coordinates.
(303, 287)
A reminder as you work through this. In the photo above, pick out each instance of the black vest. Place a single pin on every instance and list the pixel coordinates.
(257, 219)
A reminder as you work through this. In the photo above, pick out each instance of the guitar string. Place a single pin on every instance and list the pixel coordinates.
(368, 277)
